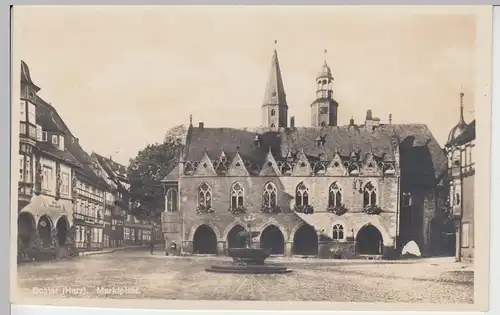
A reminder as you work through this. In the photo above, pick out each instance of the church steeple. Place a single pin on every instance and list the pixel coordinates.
(324, 108)
(274, 107)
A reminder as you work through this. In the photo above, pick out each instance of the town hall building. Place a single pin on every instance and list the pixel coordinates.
(325, 190)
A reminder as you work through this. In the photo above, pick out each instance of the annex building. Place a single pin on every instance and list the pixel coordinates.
(327, 190)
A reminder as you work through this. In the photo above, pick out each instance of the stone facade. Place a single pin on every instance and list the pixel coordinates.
(328, 191)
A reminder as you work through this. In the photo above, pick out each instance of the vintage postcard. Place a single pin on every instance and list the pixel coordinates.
(286, 157)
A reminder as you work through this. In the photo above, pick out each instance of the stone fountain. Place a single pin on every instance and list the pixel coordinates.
(249, 259)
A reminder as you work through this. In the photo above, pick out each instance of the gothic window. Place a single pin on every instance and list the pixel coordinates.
(338, 232)
(172, 200)
(236, 196)
(335, 195)
(273, 112)
(302, 195)
(272, 125)
(205, 196)
(270, 195)
(369, 195)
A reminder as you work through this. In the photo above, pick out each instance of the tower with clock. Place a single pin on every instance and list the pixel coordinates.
(324, 109)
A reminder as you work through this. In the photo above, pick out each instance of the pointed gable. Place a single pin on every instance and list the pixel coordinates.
(173, 176)
(205, 167)
(369, 166)
(237, 167)
(336, 166)
(302, 167)
(275, 91)
(270, 167)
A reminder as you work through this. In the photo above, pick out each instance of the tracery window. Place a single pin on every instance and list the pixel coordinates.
(270, 195)
(335, 196)
(236, 196)
(172, 200)
(273, 112)
(302, 195)
(369, 195)
(338, 232)
(205, 195)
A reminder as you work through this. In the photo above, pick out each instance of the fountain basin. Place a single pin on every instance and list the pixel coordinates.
(250, 256)
(249, 261)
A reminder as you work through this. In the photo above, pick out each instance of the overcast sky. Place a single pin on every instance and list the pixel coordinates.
(121, 77)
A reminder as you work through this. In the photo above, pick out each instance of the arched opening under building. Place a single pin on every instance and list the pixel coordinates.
(25, 229)
(44, 231)
(62, 226)
(272, 238)
(204, 240)
(369, 241)
(305, 241)
(232, 237)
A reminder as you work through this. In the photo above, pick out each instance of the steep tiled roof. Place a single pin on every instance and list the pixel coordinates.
(50, 120)
(63, 155)
(112, 168)
(417, 144)
(467, 135)
(26, 76)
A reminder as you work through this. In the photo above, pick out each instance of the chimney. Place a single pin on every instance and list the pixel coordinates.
(292, 122)
(351, 121)
(201, 125)
(369, 119)
(390, 119)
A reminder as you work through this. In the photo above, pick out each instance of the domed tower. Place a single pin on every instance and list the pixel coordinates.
(324, 110)
(274, 107)
(460, 126)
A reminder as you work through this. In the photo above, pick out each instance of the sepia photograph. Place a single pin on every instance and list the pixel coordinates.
(302, 156)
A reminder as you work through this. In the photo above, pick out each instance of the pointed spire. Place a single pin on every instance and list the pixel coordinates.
(461, 121)
(275, 91)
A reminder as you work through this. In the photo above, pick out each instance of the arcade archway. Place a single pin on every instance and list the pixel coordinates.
(305, 241)
(272, 238)
(204, 240)
(26, 228)
(62, 226)
(369, 241)
(44, 231)
(232, 237)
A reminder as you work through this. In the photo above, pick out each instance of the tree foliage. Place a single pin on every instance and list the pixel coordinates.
(148, 168)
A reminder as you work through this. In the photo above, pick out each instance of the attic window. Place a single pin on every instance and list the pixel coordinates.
(44, 136)
(55, 139)
(370, 164)
(205, 165)
(256, 141)
(269, 164)
(238, 164)
(336, 164)
(302, 164)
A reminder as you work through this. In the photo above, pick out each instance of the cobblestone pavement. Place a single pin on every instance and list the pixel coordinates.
(139, 275)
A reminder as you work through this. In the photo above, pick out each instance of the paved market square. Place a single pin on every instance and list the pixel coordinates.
(135, 274)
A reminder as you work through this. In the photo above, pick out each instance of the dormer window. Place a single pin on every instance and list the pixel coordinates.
(256, 141)
(55, 139)
(320, 141)
(44, 136)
